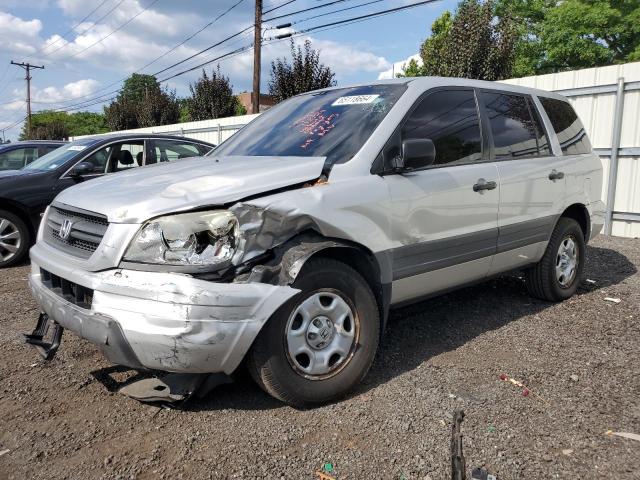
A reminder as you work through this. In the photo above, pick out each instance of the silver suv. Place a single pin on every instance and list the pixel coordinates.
(287, 245)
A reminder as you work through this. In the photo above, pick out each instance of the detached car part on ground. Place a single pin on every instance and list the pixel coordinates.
(287, 246)
(25, 193)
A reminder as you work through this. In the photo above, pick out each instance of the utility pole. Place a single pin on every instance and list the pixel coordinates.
(257, 46)
(27, 68)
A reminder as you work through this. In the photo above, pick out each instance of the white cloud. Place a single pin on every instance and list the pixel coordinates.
(342, 58)
(74, 7)
(67, 92)
(398, 66)
(14, 105)
(345, 58)
(18, 35)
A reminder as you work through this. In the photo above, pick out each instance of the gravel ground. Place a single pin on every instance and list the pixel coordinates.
(578, 358)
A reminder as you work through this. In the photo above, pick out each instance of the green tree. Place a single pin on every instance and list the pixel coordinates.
(434, 48)
(138, 85)
(121, 114)
(472, 43)
(52, 125)
(158, 107)
(557, 35)
(86, 123)
(184, 110)
(240, 110)
(142, 103)
(411, 69)
(304, 73)
(579, 33)
(211, 97)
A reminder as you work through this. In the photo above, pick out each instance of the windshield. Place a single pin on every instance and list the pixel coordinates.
(60, 156)
(333, 124)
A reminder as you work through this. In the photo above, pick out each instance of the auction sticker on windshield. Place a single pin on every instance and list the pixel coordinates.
(354, 100)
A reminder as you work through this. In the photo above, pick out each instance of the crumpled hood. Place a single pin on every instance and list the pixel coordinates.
(143, 193)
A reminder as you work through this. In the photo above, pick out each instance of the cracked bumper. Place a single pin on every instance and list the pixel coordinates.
(160, 321)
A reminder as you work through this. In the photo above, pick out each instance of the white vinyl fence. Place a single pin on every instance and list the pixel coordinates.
(213, 131)
(607, 99)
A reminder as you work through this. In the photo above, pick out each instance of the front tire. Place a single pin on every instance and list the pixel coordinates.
(15, 239)
(558, 274)
(322, 342)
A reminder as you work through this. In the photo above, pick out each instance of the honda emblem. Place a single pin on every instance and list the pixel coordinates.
(65, 229)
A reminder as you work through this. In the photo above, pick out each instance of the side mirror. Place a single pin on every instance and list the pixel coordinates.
(81, 169)
(417, 153)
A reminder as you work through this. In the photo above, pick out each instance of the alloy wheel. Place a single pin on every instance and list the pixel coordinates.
(10, 239)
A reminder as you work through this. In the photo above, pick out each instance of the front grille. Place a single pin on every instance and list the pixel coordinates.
(85, 235)
(71, 292)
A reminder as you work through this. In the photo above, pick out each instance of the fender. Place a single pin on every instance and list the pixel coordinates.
(289, 258)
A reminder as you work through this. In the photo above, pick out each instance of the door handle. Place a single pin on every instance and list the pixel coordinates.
(556, 175)
(482, 184)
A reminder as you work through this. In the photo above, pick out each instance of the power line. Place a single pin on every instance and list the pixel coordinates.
(109, 96)
(19, 119)
(356, 19)
(269, 41)
(90, 100)
(95, 23)
(152, 61)
(306, 19)
(194, 34)
(303, 10)
(77, 24)
(326, 26)
(205, 49)
(2, 89)
(279, 6)
(114, 31)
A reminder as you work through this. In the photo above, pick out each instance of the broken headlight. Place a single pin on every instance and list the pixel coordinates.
(198, 239)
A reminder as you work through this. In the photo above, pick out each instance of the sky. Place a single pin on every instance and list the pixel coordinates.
(88, 47)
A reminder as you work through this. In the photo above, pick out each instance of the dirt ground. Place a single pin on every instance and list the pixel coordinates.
(580, 360)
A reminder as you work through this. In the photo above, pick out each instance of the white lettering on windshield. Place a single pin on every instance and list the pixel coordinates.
(354, 100)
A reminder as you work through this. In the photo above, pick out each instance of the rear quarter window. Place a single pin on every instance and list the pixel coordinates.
(568, 127)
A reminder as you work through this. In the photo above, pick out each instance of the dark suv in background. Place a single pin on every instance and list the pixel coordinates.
(14, 156)
(25, 193)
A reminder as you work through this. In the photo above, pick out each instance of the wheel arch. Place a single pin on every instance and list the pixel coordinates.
(366, 264)
(19, 211)
(580, 214)
(293, 255)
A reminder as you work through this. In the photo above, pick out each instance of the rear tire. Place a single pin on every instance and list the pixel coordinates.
(558, 274)
(15, 239)
(334, 312)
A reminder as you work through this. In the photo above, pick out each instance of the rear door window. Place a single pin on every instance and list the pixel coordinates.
(568, 127)
(516, 131)
(12, 159)
(129, 154)
(17, 158)
(172, 150)
(450, 119)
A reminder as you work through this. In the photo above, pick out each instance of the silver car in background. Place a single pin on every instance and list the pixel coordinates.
(286, 247)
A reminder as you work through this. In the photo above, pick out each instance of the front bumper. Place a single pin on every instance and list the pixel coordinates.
(159, 321)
